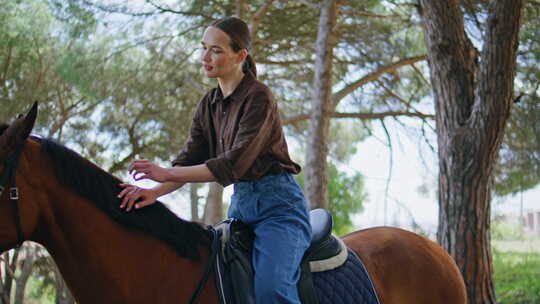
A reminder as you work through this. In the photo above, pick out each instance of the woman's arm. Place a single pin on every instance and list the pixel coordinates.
(192, 174)
(145, 169)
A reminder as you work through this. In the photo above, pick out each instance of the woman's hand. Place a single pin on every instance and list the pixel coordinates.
(131, 194)
(149, 170)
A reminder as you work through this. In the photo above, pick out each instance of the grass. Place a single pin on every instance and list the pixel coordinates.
(516, 277)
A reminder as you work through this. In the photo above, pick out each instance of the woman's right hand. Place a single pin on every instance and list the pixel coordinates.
(132, 194)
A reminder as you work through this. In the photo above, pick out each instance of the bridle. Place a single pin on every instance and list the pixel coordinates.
(7, 180)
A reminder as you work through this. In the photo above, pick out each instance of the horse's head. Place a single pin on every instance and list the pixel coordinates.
(18, 211)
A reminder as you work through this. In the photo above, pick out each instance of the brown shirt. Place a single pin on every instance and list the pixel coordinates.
(240, 137)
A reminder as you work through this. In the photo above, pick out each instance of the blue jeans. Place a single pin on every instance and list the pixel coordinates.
(275, 208)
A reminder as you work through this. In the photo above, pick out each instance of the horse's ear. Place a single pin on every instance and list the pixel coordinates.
(19, 131)
(30, 120)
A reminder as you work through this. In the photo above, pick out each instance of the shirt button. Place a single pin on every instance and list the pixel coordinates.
(224, 112)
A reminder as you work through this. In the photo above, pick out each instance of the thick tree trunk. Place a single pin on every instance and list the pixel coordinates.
(213, 211)
(472, 100)
(316, 175)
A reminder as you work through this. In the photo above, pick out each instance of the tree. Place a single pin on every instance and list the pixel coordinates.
(7, 275)
(316, 157)
(347, 197)
(518, 167)
(473, 94)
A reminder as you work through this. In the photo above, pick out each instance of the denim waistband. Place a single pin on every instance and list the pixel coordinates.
(264, 182)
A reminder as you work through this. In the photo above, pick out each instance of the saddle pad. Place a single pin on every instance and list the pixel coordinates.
(347, 284)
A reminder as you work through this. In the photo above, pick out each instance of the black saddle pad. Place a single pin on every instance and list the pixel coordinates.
(347, 284)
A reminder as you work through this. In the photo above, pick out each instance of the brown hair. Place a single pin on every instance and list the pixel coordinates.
(238, 31)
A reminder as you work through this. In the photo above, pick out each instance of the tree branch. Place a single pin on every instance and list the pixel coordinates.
(310, 4)
(496, 88)
(364, 116)
(257, 17)
(118, 9)
(163, 9)
(338, 96)
(283, 63)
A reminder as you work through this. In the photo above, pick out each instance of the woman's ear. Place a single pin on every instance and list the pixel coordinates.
(242, 55)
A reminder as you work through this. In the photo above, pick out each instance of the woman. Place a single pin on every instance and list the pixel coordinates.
(236, 138)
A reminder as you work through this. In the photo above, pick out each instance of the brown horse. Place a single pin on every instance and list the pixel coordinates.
(107, 255)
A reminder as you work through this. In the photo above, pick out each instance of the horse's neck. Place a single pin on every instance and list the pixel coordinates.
(104, 262)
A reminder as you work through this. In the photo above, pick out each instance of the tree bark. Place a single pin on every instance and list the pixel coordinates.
(213, 210)
(26, 266)
(194, 199)
(4, 276)
(316, 179)
(472, 102)
(9, 261)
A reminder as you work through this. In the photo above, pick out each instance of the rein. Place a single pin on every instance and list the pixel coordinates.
(213, 253)
(7, 180)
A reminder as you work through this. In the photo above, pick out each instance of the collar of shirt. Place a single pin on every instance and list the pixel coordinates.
(239, 92)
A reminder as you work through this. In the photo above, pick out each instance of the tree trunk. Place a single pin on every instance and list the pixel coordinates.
(9, 261)
(26, 266)
(241, 8)
(213, 211)
(194, 198)
(316, 171)
(472, 101)
(4, 298)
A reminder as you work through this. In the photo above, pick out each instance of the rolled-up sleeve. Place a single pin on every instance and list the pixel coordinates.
(196, 148)
(253, 136)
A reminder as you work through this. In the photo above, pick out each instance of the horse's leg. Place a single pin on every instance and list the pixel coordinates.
(407, 268)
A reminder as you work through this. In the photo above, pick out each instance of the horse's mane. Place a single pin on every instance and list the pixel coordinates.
(100, 187)
(3, 127)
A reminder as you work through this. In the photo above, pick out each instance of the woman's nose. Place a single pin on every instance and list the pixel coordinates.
(205, 56)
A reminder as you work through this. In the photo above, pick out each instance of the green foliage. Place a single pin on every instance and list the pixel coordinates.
(346, 198)
(37, 292)
(347, 195)
(106, 96)
(518, 168)
(343, 137)
(516, 277)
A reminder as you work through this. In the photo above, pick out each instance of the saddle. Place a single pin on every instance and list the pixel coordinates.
(234, 273)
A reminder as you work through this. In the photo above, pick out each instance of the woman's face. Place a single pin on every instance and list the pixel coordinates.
(218, 58)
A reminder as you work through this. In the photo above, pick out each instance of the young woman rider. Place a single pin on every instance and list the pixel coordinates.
(236, 138)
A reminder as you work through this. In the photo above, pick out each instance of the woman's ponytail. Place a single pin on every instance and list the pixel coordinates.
(249, 66)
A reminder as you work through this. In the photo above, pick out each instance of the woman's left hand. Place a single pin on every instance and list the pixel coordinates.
(145, 169)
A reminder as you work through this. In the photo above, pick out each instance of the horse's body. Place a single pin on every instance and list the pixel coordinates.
(106, 260)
